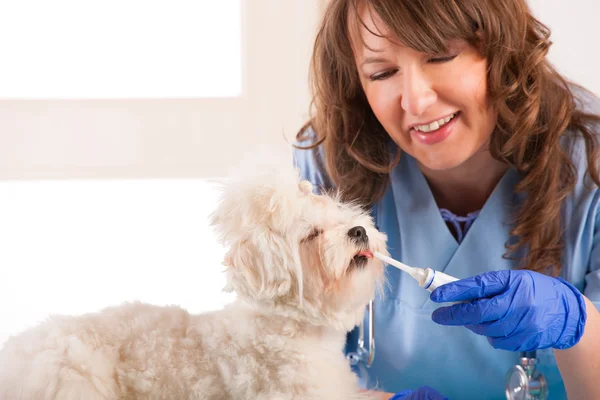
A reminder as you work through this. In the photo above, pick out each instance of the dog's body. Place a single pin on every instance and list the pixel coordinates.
(139, 351)
(302, 268)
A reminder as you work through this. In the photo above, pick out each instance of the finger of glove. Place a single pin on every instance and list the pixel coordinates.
(402, 395)
(519, 343)
(432, 394)
(426, 393)
(473, 313)
(480, 286)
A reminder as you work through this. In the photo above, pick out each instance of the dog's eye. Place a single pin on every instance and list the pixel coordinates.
(314, 234)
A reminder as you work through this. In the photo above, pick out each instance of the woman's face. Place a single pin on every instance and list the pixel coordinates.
(434, 107)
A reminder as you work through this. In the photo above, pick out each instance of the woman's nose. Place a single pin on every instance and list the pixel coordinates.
(417, 93)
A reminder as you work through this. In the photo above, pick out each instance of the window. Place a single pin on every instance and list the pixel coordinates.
(120, 49)
(102, 130)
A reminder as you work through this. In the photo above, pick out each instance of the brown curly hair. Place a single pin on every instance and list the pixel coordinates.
(535, 107)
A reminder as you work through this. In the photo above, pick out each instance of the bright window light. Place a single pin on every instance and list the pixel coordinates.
(120, 48)
(72, 247)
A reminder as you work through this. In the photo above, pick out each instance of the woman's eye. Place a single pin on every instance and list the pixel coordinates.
(382, 75)
(439, 60)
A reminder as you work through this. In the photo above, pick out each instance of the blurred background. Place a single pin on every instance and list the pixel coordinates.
(116, 117)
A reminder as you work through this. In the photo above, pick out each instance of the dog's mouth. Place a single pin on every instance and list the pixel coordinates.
(361, 258)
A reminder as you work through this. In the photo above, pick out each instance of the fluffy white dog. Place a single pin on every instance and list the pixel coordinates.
(303, 270)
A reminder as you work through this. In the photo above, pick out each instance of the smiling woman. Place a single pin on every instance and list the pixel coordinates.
(477, 159)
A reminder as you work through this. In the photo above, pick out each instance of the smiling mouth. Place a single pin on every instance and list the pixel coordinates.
(436, 125)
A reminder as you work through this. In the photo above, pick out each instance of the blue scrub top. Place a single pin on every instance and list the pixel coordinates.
(411, 349)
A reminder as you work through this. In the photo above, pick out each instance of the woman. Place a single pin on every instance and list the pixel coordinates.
(477, 159)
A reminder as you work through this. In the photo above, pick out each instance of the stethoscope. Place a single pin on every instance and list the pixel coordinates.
(362, 354)
(523, 382)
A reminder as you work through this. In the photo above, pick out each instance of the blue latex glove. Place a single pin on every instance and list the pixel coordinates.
(517, 310)
(422, 393)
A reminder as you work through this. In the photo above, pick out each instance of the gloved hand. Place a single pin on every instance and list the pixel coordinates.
(517, 310)
(422, 393)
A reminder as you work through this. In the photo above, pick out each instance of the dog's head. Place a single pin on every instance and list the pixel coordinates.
(306, 255)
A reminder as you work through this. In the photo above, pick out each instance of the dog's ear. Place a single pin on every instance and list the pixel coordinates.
(256, 269)
(258, 209)
(262, 262)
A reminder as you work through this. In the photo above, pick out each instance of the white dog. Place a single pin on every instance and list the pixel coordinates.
(302, 267)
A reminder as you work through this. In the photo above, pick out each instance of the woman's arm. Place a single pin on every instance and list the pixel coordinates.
(580, 364)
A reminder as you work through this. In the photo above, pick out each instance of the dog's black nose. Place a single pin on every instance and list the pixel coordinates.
(358, 233)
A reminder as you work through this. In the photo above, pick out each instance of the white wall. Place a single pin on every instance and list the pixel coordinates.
(575, 36)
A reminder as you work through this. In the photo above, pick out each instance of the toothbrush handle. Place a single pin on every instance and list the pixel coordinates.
(435, 279)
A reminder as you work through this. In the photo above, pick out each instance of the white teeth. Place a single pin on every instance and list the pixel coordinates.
(434, 126)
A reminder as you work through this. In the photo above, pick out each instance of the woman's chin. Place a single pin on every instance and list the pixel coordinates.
(441, 162)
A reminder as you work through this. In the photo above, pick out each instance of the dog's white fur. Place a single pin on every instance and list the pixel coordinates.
(290, 262)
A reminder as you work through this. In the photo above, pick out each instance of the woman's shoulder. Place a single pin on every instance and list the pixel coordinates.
(574, 141)
(586, 100)
(310, 160)
(584, 199)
